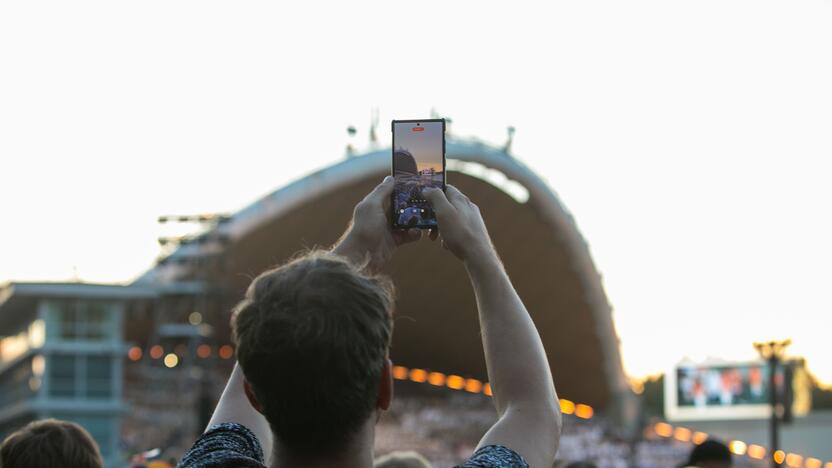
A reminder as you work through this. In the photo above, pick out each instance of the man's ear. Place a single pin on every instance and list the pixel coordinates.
(251, 397)
(385, 386)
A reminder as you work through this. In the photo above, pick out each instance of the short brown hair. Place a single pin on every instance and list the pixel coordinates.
(50, 443)
(312, 337)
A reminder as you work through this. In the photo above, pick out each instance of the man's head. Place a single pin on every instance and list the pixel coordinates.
(710, 454)
(50, 444)
(312, 339)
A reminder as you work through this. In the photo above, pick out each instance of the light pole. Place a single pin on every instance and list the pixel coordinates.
(773, 351)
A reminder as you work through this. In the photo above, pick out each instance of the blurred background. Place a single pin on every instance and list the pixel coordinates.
(655, 176)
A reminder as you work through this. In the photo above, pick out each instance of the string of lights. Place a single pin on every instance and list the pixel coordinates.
(738, 447)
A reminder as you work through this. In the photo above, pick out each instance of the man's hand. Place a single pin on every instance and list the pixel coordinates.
(370, 237)
(463, 230)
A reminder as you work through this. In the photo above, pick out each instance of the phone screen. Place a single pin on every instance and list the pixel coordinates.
(418, 162)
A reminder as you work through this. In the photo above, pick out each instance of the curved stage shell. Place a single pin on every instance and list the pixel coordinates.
(435, 317)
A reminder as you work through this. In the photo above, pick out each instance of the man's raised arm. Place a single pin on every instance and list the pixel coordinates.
(527, 406)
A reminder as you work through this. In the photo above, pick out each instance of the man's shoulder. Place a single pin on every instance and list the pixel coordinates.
(225, 445)
(492, 456)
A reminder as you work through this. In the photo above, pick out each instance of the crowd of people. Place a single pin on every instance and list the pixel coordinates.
(313, 382)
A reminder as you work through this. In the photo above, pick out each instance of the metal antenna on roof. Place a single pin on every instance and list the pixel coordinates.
(350, 151)
(510, 140)
(373, 125)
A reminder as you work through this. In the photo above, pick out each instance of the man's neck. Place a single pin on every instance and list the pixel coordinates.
(358, 453)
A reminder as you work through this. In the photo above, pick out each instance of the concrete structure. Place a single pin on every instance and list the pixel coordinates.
(436, 324)
(61, 356)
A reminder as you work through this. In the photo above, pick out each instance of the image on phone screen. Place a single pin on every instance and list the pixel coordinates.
(418, 162)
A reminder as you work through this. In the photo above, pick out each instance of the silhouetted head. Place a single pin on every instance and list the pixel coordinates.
(50, 443)
(710, 454)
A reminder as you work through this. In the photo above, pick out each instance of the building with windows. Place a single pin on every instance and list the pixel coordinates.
(62, 356)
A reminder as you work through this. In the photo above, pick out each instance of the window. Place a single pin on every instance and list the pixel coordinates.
(83, 320)
(62, 376)
(81, 376)
(99, 377)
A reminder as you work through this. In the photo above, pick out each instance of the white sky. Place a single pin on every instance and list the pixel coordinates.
(691, 140)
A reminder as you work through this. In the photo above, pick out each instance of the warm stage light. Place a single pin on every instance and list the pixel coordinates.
(756, 451)
(699, 437)
(418, 375)
(171, 360)
(135, 353)
(681, 434)
(583, 411)
(737, 447)
(779, 456)
(794, 460)
(473, 386)
(399, 372)
(663, 429)
(487, 389)
(203, 351)
(567, 406)
(436, 378)
(157, 351)
(455, 382)
(226, 352)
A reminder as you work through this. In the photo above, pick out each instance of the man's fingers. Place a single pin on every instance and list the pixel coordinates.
(404, 237)
(457, 198)
(382, 190)
(437, 200)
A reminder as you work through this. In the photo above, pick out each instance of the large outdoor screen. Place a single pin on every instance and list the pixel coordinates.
(720, 391)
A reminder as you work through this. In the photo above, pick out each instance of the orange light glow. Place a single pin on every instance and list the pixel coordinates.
(455, 382)
(135, 353)
(699, 437)
(828, 465)
(418, 375)
(203, 351)
(583, 411)
(436, 378)
(737, 447)
(487, 389)
(756, 451)
(682, 434)
(226, 351)
(400, 373)
(473, 386)
(794, 460)
(157, 351)
(664, 429)
(567, 406)
(779, 456)
(171, 360)
(813, 463)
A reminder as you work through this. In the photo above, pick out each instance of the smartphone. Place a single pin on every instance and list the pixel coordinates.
(418, 162)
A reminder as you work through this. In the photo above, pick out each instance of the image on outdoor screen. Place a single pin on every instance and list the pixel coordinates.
(722, 385)
(417, 163)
